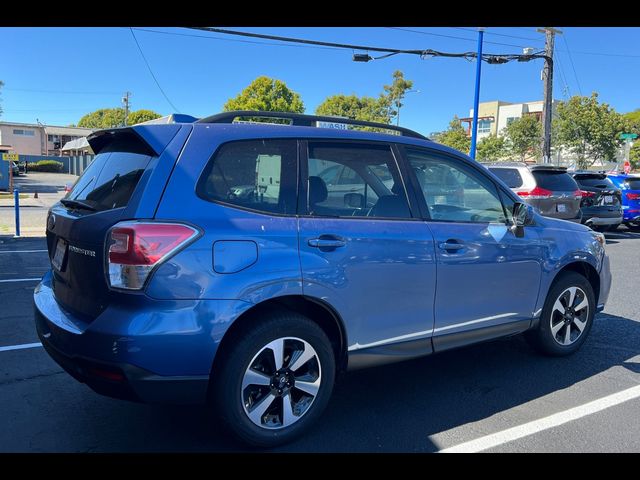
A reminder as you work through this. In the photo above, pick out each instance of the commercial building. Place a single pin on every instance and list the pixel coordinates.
(37, 139)
(494, 116)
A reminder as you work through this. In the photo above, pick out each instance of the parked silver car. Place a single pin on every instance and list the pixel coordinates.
(550, 189)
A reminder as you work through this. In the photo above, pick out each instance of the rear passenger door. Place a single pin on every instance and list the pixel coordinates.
(364, 250)
(487, 278)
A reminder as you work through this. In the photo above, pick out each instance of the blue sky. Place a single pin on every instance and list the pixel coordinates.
(58, 74)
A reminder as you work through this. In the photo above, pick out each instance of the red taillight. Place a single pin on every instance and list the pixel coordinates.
(536, 193)
(135, 248)
(583, 194)
(632, 196)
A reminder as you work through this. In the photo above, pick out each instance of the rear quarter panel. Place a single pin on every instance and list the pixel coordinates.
(269, 270)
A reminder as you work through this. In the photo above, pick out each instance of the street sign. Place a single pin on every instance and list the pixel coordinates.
(10, 157)
(628, 136)
(627, 167)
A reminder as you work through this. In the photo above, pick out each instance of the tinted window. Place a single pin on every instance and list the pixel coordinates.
(555, 181)
(632, 183)
(510, 176)
(455, 192)
(109, 181)
(354, 181)
(256, 174)
(598, 181)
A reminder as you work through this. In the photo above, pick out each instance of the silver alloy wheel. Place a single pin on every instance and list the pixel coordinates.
(569, 315)
(280, 383)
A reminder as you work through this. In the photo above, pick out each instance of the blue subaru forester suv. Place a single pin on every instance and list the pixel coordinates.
(244, 265)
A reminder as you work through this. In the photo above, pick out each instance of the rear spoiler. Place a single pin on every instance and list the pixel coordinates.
(143, 139)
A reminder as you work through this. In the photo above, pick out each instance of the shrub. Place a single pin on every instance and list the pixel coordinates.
(45, 166)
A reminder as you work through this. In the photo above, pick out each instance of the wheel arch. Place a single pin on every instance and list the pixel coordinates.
(315, 309)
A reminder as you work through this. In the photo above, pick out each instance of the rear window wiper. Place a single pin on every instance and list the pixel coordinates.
(77, 204)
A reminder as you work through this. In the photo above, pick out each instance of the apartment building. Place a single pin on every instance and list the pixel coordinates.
(37, 139)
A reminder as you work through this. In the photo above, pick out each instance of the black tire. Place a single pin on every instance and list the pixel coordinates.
(541, 338)
(612, 228)
(634, 227)
(227, 396)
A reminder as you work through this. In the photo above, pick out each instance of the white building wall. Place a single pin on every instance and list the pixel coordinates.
(508, 111)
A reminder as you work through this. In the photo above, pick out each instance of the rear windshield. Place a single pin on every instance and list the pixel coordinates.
(633, 183)
(110, 179)
(510, 176)
(555, 181)
(598, 181)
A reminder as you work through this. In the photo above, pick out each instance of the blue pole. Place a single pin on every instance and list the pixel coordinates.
(476, 100)
(16, 201)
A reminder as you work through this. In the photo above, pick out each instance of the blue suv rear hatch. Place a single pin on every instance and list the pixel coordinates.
(106, 193)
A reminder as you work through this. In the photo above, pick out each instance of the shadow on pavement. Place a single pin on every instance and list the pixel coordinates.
(396, 408)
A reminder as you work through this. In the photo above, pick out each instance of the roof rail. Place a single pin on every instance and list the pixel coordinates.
(301, 120)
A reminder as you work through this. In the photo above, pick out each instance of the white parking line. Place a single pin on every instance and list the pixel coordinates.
(20, 347)
(22, 251)
(21, 280)
(560, 418)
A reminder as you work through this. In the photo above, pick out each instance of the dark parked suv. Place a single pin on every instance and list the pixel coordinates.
(550, 189)
(226, 263)
(601, 200)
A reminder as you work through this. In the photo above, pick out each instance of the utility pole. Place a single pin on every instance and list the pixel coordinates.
(476, 97)
(125, 102)
(547, 78)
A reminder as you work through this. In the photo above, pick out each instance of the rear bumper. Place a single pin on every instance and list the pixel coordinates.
(141, 350)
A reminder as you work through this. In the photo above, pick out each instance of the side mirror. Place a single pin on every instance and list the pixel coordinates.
(522, 217)
(354, 200)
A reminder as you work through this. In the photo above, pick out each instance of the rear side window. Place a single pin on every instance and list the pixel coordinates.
(510, 176)
(110, 179)
(256, 174)
(555, 181)
(598, 181)
(632, 183)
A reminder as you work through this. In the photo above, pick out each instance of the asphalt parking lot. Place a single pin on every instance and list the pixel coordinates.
(500, 396)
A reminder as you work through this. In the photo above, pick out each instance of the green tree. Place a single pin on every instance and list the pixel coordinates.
(365, 108)
(634, 155)
(103, 118)
(394, 93)
(140, 116)
(491, 149)
(266, 94)
(524, 136)
(589, 129)
(633, 121)
(455, 136)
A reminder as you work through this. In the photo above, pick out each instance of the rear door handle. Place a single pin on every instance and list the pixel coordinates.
(327, 241)
(451, 245)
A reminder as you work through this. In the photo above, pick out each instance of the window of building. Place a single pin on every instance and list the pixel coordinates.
(24, 133)
(484, 126)
(53, 138)
(510, 120)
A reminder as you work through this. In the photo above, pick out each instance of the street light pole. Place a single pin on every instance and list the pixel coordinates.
(476, 99)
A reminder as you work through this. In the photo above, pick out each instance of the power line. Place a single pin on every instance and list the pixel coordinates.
(454, 37)
(564, 37)
(151, 72)
(209, 37)
(423, 53)
(499, 34)
(562, 75)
